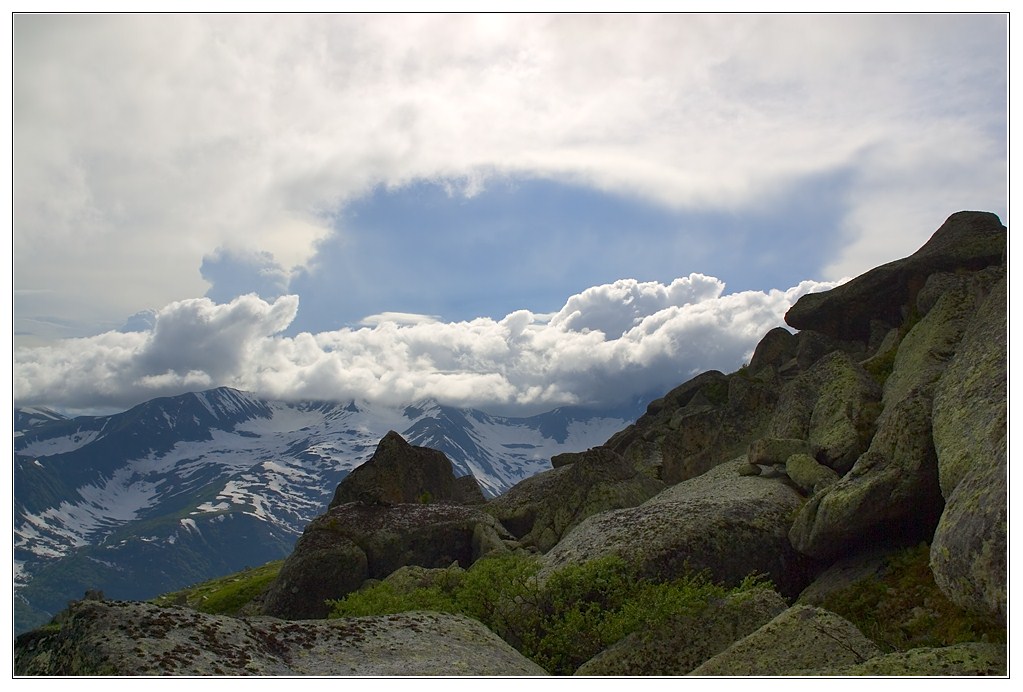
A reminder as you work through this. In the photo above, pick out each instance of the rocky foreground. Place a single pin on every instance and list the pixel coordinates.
(880, 424)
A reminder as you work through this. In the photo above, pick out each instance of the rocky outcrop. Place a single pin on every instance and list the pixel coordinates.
(400, 473)
(970, 547)
(832, 405)
(890, 496)
(353, 542)
(721, 522)
(680, 645)
(132, 639)
(542, 509)
(974, 658)
(801, 638)
(699, 424)
(877, 301)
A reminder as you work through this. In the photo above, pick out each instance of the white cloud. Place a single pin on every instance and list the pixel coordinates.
(143, 142)
(523, 362)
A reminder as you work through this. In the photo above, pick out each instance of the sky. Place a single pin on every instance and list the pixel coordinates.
(512, 212)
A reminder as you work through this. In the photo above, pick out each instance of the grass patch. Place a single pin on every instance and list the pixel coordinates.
(903, 608)
(225, 595)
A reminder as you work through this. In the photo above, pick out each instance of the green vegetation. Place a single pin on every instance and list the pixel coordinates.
(560, 623)
(226, 595)
(903, 608)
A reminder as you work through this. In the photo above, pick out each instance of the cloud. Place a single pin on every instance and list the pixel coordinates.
(650, 337)
(143, 142)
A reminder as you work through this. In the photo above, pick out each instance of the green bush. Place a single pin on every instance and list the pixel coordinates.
(561, 623)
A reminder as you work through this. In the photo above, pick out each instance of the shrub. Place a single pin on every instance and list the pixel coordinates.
(561, 623)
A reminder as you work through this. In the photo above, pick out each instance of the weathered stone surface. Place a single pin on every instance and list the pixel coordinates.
(694, 427)
(890, 495)
(808, 474)
(727, 524)
(540, 511)
(927, 348)
(801, 638)
(973, 659)
(776, 349)
(833, 406)
(356, 541)
(769, 451)
(684, 643)
(117, 638)
(968, 240)
(970, 548)
(843, 574)
(400, 473)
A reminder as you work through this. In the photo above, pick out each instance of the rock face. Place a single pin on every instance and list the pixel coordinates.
(801, 638)
(123, 638)
(353, 542)
(727, 524)
(970, 548)
(968, 240)
(400, 473)
(974, 658)
(542, 509)
(402, 507)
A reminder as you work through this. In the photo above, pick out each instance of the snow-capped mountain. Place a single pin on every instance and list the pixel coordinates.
(185, 488)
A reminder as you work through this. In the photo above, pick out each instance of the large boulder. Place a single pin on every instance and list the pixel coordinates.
(803, 637)
(833, 405)
(968, 240)
(130, 639)
(541, 509)
(353, 542)
(958, 660)
(926, 350)
(681, 644)
(400, 473)
(727, 524)
(970, 426)
(890, 496)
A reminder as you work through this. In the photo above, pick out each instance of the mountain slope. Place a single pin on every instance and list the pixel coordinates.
(180, 489)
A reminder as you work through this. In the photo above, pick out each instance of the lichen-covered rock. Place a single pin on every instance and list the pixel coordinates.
(968, 240)
(120, 638)
(540, 511)
(924, 353)
(807, 473)
(970, 659)
(801, 638)
(682, 644)
(776, 349)
(696, 426)
(970, 548)
(833, 406)
(400, 473)
(769, 451)
(727, 524)
(354, 542)
(891, 495)
(843, 574)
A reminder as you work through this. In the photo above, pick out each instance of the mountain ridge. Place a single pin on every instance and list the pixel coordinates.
(206, 466)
